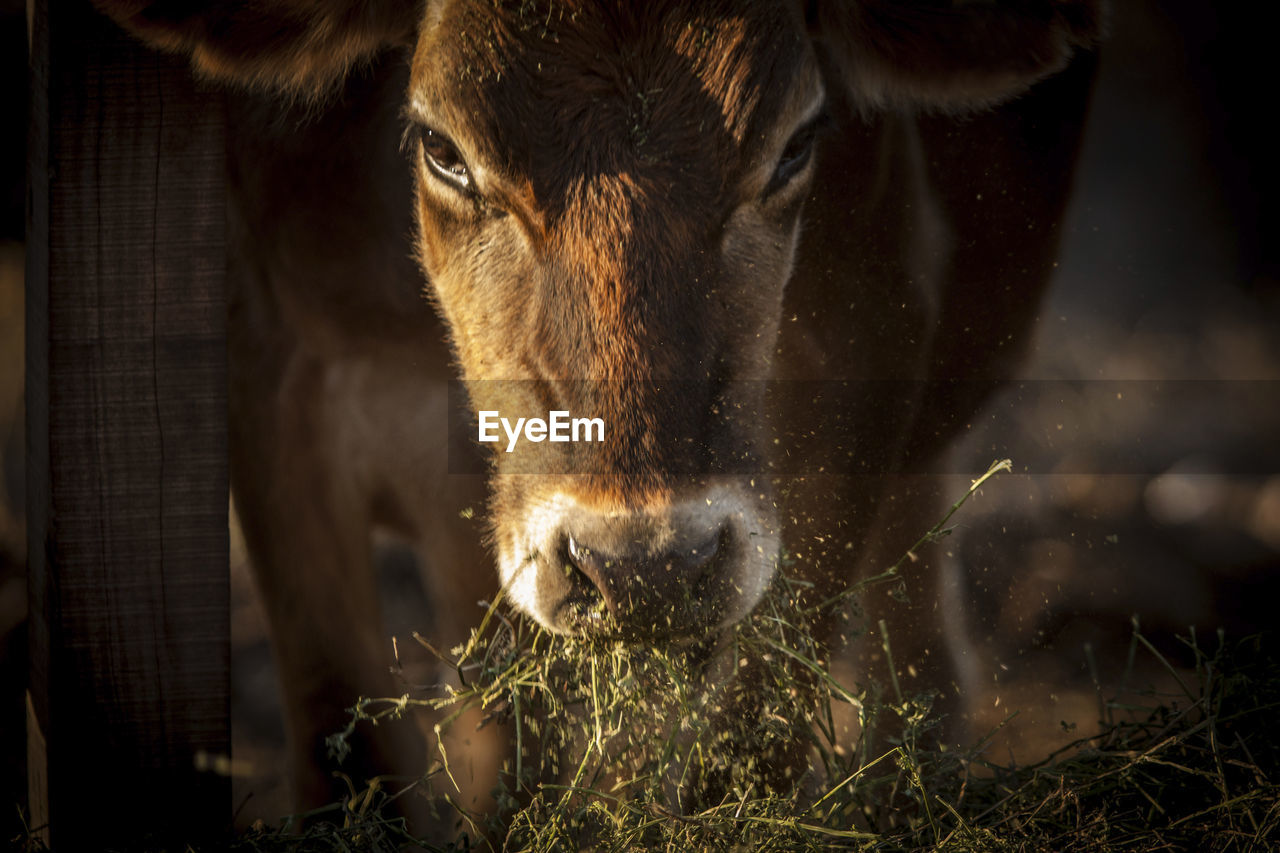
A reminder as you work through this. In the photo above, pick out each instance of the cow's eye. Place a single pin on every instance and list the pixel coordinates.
(443, 158)
(796, 155)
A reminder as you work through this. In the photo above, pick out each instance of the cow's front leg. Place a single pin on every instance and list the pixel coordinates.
(908, 641)
(306, 518)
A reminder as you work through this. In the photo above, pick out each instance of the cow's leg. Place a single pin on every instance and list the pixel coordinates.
(848, 531)
(460, 580)
(909, 647)
(459, 577)
(306, 520)
(402, 432)
(914, 621)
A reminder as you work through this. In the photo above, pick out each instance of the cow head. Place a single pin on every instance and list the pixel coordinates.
(609, 197)
(608, 205)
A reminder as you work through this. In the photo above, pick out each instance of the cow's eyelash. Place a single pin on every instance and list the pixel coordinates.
(409, 137)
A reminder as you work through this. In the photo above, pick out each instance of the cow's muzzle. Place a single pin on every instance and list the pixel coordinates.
(677, 571)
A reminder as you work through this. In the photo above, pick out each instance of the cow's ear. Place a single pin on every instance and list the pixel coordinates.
(302, 47)
(949, 55)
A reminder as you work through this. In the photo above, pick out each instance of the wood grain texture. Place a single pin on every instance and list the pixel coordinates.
(127, 440)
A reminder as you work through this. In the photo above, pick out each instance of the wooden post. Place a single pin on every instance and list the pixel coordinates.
(127, 439)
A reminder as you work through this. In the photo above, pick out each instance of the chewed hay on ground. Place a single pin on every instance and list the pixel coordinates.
(625, 748)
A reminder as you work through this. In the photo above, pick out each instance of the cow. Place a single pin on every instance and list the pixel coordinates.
(675, 217)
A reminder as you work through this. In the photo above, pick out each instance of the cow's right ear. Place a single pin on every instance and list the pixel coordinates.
(300, 47)
(949, 55)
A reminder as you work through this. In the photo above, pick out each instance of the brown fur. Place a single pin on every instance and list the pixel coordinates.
(300, 47)
(623, 260)
(952, 56)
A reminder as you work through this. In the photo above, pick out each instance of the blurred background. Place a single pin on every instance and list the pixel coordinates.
(1146, 430)
(1164, 504)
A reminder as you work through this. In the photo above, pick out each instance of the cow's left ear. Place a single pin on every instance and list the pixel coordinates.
(300, 47)
(949, 55)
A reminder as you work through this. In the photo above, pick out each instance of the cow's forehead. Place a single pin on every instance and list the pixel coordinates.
(604, 85)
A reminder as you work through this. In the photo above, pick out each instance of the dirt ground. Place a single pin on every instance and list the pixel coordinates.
(1144, 436)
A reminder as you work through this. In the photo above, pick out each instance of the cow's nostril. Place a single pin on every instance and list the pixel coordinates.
(643, 590)
(592, 571)
(584, 600)
(584, 559)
